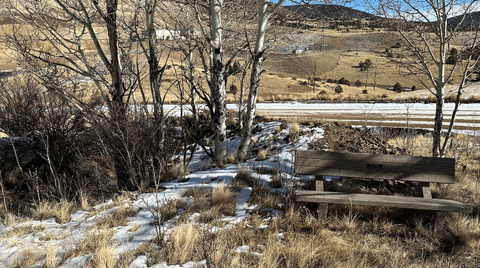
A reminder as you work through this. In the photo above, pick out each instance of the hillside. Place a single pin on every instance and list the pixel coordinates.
(469, 20)
(329, 12)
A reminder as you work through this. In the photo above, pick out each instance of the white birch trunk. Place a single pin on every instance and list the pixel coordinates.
(263, 17)
(440, 83)
(219, 95)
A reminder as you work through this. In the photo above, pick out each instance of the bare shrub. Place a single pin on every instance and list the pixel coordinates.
(55, 148)
(397, 87)
(338, 89)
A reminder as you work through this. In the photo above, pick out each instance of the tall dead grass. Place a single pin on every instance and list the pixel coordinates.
(61, 211)
(97, 242)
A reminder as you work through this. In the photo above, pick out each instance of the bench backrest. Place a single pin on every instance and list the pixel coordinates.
(375, 166)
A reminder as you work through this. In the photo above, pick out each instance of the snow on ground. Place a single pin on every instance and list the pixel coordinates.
(366, 114)
(128, 238)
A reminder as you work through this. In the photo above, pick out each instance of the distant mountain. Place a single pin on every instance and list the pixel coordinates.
(470, 20)
(329, 11)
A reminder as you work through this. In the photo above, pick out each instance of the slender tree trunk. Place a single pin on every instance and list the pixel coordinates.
(118, 114)
(219, 95)
(437, 130)
(440, 84)
(116, 71)
(155, 82)
(241, 101)
(193, 94)
(251, 106)
(257, 61)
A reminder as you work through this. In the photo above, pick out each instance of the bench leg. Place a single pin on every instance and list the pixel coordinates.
(322, 211)
(439, 221)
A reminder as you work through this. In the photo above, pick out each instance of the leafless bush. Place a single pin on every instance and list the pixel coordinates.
(51, 147)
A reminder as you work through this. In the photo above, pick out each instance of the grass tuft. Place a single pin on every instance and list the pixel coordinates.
(61, 211)
(26, 257)
(467, 228)
(294, 131)
(170, 209)
(51, 260)
(244, 178)
(262, 155)
(223, 199)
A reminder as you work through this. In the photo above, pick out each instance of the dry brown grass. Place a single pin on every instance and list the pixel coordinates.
(96, 242)
(210, 205)
(244, 178)
(9, 219)
(264, 197)
(179, 171)
(262, 155)
(232, 158)
(22, 229)
(26, 257)
(467, 228)
(184, 245)
(116, 218)
(170, 209)
(61, 211)
(276, 182)
(200, 204)
(51, 260)
(223, 200)
(83, 201)
(104, 257)
(294, 130)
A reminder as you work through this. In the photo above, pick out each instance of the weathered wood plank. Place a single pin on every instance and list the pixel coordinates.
(375, 166)
(381, 158)
(387, 167)
(382, 201)
(438, 178)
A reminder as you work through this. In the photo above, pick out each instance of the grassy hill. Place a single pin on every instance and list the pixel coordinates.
(329, 11)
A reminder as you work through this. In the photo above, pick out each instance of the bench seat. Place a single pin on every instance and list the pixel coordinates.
(382, 201)
(413, 169)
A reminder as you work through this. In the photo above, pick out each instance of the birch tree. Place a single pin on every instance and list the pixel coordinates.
(218, 41)
(424, 28)
(264, 14)
(219, 95)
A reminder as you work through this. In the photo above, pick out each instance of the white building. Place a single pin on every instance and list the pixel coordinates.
(163, 34)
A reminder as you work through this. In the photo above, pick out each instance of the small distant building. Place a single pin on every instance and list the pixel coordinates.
(163, 34)
(297, 51)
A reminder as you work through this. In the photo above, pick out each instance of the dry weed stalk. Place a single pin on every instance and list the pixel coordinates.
(51, 260)
(294, 131)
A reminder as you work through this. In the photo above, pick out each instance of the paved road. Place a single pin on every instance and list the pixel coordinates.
(417, 115)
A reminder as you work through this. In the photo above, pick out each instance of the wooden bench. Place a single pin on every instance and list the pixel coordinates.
(424, 170)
